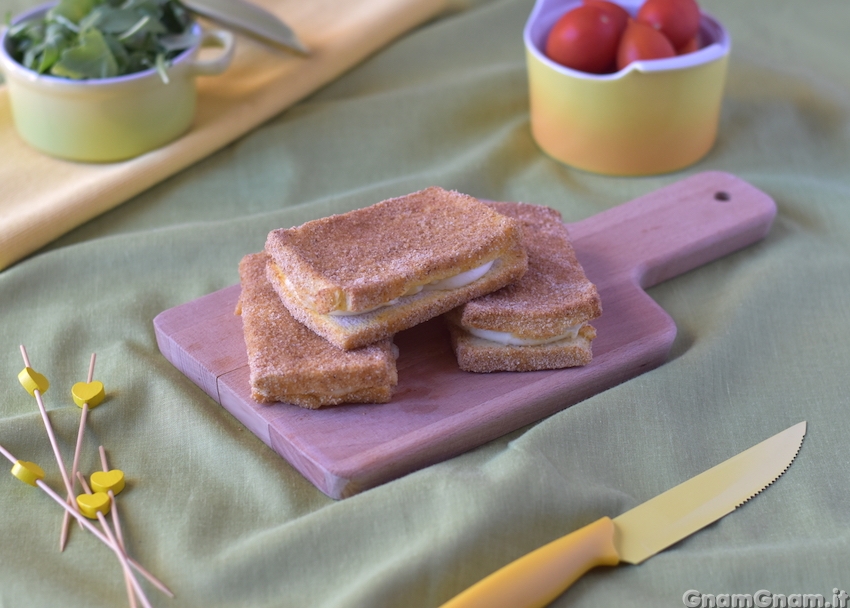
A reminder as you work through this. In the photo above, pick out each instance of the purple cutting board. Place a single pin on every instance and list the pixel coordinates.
(438, 411)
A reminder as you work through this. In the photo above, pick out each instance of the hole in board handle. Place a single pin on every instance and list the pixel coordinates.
(722, 196)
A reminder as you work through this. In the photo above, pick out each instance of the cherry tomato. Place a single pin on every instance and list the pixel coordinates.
(676, 19)
(641, 41)
(615, 11)
(690, 47)
(586, 39)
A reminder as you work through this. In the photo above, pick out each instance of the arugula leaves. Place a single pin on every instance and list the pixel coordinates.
(82, 39)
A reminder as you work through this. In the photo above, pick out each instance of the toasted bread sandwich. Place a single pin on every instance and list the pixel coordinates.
(539, 322)
(365, 275)
(290, 363)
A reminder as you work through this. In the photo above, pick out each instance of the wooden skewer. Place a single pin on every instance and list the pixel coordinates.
(63, 538)
(85, 523)
(83, 417)
(114, 512)
(116, 522)
(72, 509)
(8, 455)
(141, 570)
(49, 427)
(109, 542)
(123, 554)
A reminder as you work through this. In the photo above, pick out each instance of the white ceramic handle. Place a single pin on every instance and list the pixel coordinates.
(216, 65)
(3, 31)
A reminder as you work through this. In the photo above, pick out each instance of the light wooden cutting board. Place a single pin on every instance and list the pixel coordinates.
(438, 411)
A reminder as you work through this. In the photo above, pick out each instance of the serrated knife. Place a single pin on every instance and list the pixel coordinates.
(538, 578)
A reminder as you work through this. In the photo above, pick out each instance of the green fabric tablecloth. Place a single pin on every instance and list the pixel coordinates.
(223, 521)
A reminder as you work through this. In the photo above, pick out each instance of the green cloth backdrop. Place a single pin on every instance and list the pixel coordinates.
(762, 344)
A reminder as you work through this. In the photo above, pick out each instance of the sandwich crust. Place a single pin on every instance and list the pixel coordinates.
(365, 258)
(355, 331)
(290, 363)
(477, 355)
(373, 262)
(553, 298)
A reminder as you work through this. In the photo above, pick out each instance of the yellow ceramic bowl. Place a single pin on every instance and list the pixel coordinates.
(651, 117)
(108, 119)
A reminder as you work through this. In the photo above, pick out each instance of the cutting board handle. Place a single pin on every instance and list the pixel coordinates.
(675, 229)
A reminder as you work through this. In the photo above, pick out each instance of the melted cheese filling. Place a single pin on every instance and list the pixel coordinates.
(459, 280)
(509, 339)
(454, 282)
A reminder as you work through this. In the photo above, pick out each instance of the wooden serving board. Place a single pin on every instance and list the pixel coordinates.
(438, 411)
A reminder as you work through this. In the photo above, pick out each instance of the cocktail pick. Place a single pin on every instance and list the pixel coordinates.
(112, 482)
(35, 384)
(28, 472)
(153, 580)
(101, 517)
(33, 475)
(86, 395)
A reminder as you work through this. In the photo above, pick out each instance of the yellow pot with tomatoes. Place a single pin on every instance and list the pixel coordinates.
(627, 88)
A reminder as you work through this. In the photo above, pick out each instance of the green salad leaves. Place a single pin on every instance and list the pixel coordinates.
(82, 39)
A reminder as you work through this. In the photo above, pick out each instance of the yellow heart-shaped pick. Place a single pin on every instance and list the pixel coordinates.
(88, 392)
(32, 380)
(28, 472)
(90, 504)
(103, 481)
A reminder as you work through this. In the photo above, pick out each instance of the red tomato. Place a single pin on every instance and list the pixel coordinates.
(676, 19)
(615, 11)
(584, 39)
(642, 41)
(690, 47)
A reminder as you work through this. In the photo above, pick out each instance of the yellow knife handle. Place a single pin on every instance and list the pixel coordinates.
(534, 580)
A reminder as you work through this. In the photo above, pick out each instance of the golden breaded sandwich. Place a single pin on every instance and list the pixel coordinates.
(290, 363)
(365, 275)
(539, 322)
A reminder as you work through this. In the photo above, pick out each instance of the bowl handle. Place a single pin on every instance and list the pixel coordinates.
(219, 63)
(4, 29)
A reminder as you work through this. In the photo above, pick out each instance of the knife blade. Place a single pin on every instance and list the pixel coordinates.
(536, 579)
(248, 18)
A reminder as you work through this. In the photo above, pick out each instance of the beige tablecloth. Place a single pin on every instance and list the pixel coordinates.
(41, 198)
